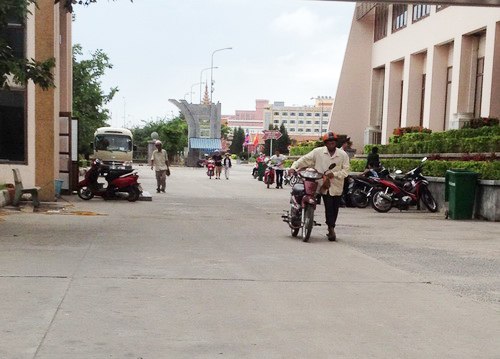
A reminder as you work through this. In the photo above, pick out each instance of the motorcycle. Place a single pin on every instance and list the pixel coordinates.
(362, 187)
(210, 168)
(269, 175)
(404, 191)
(303, 201)
(118, 181)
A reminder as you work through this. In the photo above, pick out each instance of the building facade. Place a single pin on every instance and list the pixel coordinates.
(407, 65)
(251, 121)
(32, 120)
(303, 123)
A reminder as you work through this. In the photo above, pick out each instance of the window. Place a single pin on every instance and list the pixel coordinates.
(276, 114)
(479, 87)
(449, 74)
(316, 122)
(292, 113)
(300, 130)
(399, 16)
(276, 121)
(309, 114)
(301, 122)
(284, 121)
(325, 122)
(316, 130)
(292, 121)
(316, 114)
(420, 11)
(308, 122)
(381, 12)
(12, 103)
(308, 130)
(301, 113)
(284, 114)
(422, 100)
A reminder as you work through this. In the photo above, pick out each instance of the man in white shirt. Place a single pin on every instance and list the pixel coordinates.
(159, 161)
(321, 158)
(277, 161)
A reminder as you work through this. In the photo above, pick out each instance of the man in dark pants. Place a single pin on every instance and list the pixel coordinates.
(321, 158)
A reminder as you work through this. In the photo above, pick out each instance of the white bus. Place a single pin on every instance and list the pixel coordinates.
(113, 146)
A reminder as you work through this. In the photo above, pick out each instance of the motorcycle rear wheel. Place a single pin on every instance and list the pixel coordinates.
(85, 193)
(133, 194)
(379, 203)
(428, 200)
(359, 198)
(308, 223)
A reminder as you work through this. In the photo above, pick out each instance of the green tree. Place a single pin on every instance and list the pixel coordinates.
(284, 141)
(174, 135)
(224, 131)
(88, 97)
(21, 69)
(238, 140)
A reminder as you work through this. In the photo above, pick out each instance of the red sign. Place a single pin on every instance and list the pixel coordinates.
(271, 134)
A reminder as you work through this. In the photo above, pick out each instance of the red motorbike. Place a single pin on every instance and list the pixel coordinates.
(403, 192)
(118, 181)
(269, 175)
(303, 201)
(210, 168)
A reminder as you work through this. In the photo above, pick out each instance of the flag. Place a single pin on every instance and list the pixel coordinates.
(247, 140)
(256, 140)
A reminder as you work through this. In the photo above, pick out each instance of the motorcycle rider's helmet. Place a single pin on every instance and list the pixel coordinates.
(97, 162)
(330, 136)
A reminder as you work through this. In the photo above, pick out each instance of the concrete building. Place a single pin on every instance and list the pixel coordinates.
(35, 125)
(251, 121)
(405, 65)
(303, 123)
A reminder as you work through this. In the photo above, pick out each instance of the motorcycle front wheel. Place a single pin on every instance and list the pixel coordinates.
(308, 223)
(428, 200)
(379, 203)
(85, 193)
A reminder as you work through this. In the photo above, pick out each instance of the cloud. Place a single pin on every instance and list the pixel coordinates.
(302, 23)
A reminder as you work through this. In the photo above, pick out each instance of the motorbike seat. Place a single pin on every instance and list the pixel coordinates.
(298, 189)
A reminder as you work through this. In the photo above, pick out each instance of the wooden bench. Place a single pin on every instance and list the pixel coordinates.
(20, 190)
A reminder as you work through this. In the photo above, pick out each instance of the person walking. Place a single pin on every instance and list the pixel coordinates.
(321, 158)
(227, 165)
(217, 157)
(159, 161)
(277, 160)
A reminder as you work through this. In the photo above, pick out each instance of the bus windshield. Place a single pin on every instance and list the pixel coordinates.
(108, 142)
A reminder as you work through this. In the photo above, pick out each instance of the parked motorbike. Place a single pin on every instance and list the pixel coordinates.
(404, 191)
(118, 181)
(362, 187)
(303, 203)
(210, 168)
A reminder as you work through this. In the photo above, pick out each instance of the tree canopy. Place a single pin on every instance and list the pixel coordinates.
(88, 96)
(238, 140)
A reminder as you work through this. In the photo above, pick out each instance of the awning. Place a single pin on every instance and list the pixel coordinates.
(206, 144)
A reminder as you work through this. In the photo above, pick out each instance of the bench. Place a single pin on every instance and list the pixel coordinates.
(20, 190)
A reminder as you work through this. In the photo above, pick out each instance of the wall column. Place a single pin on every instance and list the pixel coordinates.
(44, 103)
(435, 97)
(392, 99)
(491, 100)
(412, 99)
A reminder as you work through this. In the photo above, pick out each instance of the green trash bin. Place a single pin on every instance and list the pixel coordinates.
(460, 192)
(261, 168)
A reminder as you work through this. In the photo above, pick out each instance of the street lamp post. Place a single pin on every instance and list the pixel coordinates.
(201, 74)
(211, 72)
(193, 85)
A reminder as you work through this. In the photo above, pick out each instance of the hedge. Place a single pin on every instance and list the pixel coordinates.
(487, 169)
(483, 139)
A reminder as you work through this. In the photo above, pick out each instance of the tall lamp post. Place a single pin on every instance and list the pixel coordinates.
(211, 72)
(201, 74)
(193, 85)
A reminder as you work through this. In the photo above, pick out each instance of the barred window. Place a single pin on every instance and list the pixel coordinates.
(420, 11)
(399, 16)
(381, 14)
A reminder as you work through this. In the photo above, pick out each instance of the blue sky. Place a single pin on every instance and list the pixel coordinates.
(283, 50)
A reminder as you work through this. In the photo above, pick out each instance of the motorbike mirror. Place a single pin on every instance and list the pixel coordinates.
(332, 166)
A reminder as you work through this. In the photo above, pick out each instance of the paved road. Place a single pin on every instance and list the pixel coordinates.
(208, 270)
